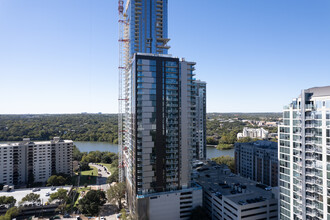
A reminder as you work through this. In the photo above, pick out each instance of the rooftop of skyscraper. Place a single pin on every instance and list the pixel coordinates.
(319, 91)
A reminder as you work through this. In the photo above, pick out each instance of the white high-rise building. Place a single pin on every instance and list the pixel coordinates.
(253, 133)
(304, 156)
(28, 161)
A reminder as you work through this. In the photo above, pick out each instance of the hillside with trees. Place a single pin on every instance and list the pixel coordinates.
(221, 128)
(76, 127)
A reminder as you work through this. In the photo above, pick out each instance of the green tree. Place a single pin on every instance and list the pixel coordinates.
(116, 193)
(56, 181)
(31, 197)
(247, 139)
(84, 166)
(227, 160)
(89, 127)
(76, 154)
(62, 196)
(6, 200)
(123, 214)
(10, 214)
(225, 146)
(211, 141)
(91, 202)
(113, 177)
(228, 138)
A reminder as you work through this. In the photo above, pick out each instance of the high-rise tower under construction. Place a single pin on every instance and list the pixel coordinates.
(157, 116)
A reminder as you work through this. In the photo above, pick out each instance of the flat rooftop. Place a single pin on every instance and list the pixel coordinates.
(217, 181)
(20, 143)
(261, 144)
(18, 194)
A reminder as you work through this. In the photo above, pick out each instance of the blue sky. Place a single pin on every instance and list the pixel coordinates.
(61, 56)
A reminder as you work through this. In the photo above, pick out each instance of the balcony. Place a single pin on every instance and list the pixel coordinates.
(310, 205)
(309, 107)
(309, 157)
(310, 134)
(310, 149)
(310, 197)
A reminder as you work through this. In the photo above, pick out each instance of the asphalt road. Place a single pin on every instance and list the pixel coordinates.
(102, 179)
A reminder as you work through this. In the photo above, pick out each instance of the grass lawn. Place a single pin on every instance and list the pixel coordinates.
(92, 172)
(87, 177)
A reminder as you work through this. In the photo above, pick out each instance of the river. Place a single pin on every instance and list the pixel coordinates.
(103, 146)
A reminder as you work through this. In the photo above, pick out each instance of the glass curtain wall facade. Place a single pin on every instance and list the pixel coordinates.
(148, 30)
(160, 125)
(304, 156)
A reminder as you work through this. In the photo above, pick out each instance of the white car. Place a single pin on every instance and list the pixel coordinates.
(268, 188)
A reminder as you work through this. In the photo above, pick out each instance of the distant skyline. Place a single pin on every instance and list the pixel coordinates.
(256, 56)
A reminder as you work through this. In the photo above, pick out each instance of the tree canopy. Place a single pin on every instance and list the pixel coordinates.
(91, 202)
(113, 177)
(227, 160)
(10, 214)
(246, 140)
(61, 194)
(31, 197)
(6, 200)
(55, 180)
(76, 127)
(116, 193)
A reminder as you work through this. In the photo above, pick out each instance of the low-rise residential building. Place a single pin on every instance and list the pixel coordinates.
(227, 196)
(257, 161)
(29, 161)
(253, 133)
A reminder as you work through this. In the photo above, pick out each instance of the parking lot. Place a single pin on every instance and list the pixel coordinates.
(18, 194)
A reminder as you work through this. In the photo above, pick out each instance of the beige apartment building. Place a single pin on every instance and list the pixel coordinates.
(29, 161)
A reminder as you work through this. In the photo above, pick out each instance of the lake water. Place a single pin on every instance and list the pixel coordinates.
(103, 146)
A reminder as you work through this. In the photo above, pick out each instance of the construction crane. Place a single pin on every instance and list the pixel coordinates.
(122, 69)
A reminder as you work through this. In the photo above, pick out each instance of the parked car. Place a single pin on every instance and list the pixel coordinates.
(268, 188)
(47, 194)
(53, 188)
